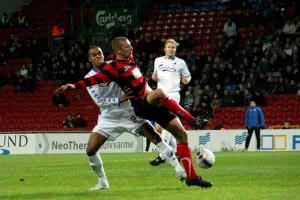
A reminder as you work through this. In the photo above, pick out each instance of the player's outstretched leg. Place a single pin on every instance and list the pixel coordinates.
(168, 154)
(96, 164)
(95, 142)
(175, 127)
(165, 150)
(159, 99)
(171, 141)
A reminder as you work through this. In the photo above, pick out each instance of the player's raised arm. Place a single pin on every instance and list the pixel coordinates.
(65, 87)
(128, 94)
(93, 80)
(99, 78)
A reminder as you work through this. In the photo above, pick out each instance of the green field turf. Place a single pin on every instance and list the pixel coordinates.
(243, 175)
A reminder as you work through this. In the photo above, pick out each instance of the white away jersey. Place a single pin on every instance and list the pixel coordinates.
(169, 73)
(107, 97)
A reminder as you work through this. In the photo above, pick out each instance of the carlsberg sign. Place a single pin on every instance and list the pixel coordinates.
(109, 18)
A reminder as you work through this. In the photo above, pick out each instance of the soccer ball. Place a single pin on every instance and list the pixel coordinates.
(205, 158)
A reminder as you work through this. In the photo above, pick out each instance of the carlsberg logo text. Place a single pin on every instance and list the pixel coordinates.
(103, 17)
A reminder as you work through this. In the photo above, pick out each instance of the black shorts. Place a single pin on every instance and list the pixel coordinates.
(161, 115)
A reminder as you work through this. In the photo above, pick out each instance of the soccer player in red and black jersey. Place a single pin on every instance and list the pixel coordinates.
(148, 104)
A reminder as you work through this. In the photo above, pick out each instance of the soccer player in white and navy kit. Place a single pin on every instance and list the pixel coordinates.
(169, 72)
(117, 116)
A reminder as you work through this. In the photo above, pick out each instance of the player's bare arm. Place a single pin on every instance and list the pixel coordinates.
(154, 76)
(65, 87)
(128, 94)
(185, 80)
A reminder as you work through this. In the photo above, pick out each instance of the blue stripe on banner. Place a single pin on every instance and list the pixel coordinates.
(204, 139)
(239, 139)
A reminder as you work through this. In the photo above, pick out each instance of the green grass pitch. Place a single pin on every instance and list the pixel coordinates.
(239, 175)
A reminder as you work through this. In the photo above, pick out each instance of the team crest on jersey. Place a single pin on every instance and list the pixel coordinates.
(136, 73)
(125, 68)
(168, 69)
(103, 84)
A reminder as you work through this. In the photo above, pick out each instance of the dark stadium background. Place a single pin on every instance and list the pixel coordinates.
(261, 62)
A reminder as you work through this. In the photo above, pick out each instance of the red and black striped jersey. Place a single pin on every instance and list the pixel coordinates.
(125, 73)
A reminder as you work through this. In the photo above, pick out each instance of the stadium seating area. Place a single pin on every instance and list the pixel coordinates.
(278, 110)
(204, 23)
(34, 111)
(42, 15)
(12, 66)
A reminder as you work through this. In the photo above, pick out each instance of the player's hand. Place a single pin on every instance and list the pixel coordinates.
(154, 76)
(185, 80)
(128, 94)
(68, 86)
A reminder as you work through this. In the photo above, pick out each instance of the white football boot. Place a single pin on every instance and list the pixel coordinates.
(102, 184)
(180, 173)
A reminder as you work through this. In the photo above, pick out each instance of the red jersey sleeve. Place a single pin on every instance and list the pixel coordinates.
(107, 74)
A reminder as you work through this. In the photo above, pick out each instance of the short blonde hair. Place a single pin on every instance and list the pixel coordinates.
(116, 43)
(171, 41)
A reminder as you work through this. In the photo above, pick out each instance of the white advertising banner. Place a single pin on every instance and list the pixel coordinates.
(17, 143)
(216, 140)
(77, 143)
(234, 140)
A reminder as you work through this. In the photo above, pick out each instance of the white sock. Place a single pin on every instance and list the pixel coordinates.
(171, 140)
(96, 164)
(167, 153)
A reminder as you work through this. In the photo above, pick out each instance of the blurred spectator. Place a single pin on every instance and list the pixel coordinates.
(239, 98)
(22, 20)
(18, 80)
(57, 30)
(207, 111)
(208, 92)
(289, 27)
(215, 102)
(254, 121)
(298, 91)
(79, 121)
(226, 99)
(14, 46)
(57, 34)
(59, 99)
(286, 125)
(3, 57)
(230, 28)
(24, 71)
(23, 83)
(259, 98)
(68, 122)
(39, 74)
(5, 20)
(188, 100)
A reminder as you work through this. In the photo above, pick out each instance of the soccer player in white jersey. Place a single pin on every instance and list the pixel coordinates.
(117, 116)
(169, 72)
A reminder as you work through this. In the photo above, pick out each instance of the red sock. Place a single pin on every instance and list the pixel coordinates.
(185, 156)
(174, 107)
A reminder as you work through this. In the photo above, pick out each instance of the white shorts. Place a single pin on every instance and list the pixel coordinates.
(111, 128)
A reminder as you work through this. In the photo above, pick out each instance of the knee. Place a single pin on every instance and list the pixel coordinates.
(159, 93)
(180, 136)
(156, 139)
(90, 152)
